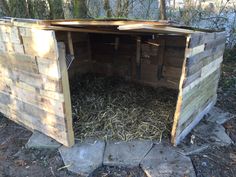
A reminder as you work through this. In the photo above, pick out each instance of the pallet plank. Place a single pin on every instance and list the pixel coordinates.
(44, 47)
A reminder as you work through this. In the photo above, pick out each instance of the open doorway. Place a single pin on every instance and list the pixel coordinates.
(123, 87)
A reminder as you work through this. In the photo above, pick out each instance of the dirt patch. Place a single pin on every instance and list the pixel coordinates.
(230, 128)
(16, 161)
(118, 172)
(216, 161)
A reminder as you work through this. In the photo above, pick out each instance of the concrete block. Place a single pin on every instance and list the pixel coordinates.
(192, 148)
(83, 158)
(219, 116)
(164, 161)
(212, 133)
(41, 141)
(124, 153)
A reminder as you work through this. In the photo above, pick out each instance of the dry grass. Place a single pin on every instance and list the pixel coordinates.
(113, 109)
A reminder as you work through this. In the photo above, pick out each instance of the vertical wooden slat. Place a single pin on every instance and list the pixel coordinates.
(89, 48)
(66, 93)
(70, 43)
(161, 59)
(138, 58)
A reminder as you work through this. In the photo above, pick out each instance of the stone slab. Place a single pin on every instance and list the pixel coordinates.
(212, 133)
(219, 116)
(164, 161)
(83, 158)
(192, 148)
(124, 153)
(41, 141)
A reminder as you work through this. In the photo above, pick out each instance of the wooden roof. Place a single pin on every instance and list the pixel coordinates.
(105, 25)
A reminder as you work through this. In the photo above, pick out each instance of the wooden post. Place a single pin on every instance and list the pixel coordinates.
(161, 59)
(163, 10)
(66, 93)
(138, 59)
(116, 46)
(70, 58)
(89, 48)
(70, 43)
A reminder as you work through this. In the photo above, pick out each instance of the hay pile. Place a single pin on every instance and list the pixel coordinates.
(113, 109)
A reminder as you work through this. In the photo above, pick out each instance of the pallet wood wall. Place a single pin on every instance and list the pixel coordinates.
(199, 81)
(117, 54)
(34, 83)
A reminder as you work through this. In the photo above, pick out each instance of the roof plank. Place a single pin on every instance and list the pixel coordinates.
(155, 28)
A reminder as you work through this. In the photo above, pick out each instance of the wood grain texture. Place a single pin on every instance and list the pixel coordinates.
(199, 81)
(41, 43)
(10, 34)
(66, 92)
(33, 82)
(19, 61)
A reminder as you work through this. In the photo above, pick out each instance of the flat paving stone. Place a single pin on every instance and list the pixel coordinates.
(40, 141)
(124, 153)
(219, 116)
(212, 133)
(83, 158)
(192, 149)
(164, 161)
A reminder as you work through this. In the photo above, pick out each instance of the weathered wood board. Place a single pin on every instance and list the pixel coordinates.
(199, 81)
(33, 87)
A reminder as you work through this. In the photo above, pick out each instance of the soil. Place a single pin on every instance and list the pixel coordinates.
(215, 161)
(118, 172)
(18, 161)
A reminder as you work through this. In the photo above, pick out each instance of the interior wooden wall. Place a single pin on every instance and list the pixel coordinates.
(32, 82)
(161, 59)
(81, 46)
(199, 81)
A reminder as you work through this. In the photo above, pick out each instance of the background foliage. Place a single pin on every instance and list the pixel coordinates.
(212, 14)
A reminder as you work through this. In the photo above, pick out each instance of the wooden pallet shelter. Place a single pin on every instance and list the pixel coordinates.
(35, 56)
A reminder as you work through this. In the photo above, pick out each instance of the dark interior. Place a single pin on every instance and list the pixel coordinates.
(154, 60)
(123, 87)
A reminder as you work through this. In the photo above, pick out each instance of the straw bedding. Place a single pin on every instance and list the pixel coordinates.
(111, 108)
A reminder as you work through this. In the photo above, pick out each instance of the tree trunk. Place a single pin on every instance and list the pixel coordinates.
(67, 9)
(80, 9)
(51, 9)
(18, 8)
(163, 10)
(122, 8)
(30, 8)
(55, 9)
(118, 8)
(4, 9)
(107, 8)
(126, 8)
